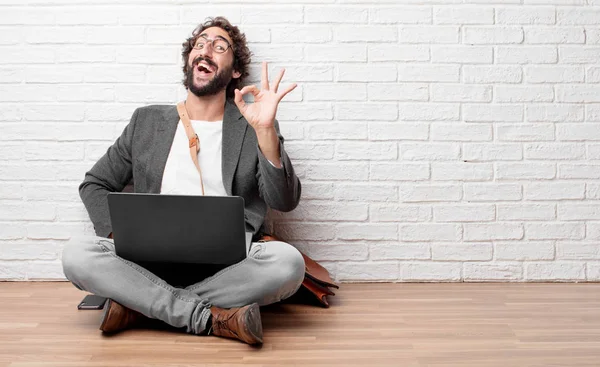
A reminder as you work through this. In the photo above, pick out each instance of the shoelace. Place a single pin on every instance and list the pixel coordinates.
(222, 324)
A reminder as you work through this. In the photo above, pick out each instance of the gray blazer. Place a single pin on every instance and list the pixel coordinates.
(140, 154)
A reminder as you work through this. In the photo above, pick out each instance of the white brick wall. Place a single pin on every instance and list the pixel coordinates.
(438, 140)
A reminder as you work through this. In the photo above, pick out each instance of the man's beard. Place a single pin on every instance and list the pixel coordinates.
(218, 83)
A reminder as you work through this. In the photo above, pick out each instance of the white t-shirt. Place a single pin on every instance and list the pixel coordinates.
(181, 176)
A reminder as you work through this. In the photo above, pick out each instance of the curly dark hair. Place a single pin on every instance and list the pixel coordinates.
(241, 53)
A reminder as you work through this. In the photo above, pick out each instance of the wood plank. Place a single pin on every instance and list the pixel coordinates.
(378, 324)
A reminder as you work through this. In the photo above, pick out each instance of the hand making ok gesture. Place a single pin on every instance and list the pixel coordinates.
(261, 114)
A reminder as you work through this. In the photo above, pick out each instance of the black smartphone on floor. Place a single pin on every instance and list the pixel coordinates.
(92, 302)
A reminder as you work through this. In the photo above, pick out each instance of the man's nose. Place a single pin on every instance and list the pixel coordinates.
(207, 51)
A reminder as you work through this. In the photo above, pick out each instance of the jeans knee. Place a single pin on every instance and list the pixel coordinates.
(75, 260)
(291, 268)
(297, 267)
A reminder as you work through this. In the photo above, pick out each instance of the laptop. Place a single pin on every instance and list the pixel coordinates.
(179, 229)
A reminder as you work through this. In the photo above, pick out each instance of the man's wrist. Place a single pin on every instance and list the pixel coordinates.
(266, 131)
(268, 143)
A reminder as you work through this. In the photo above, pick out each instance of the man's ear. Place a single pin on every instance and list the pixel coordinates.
(236, 74)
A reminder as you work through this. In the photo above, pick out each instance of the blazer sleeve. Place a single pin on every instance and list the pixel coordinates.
(280, 188)
(111, 173)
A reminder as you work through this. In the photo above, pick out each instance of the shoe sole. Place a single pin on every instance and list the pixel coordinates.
(107, 309)
(254, 324)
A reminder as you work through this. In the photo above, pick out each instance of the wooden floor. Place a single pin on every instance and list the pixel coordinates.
(450, 324)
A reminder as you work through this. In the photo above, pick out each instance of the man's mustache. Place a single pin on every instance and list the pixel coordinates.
(202, 58)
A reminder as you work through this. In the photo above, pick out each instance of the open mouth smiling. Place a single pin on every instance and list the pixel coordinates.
(204, 68)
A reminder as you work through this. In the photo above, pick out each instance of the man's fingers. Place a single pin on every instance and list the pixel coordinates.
(277, 81)
(250, 89)
(264, 80)
(288, 89)
(239, 100)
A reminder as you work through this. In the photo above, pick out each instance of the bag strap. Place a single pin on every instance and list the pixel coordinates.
(194, 142)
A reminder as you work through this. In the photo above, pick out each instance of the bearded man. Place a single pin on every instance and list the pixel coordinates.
(242, 155)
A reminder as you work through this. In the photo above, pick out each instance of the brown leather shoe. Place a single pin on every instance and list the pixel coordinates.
(241, 323)
(118, 317)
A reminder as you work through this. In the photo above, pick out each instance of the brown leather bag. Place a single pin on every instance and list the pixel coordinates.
(316, 279)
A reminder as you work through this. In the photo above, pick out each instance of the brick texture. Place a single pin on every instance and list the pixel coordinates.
(436, 140)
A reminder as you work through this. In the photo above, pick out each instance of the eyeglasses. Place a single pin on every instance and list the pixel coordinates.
(219, 45)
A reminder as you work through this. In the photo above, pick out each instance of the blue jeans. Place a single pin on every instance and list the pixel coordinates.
(271, 272)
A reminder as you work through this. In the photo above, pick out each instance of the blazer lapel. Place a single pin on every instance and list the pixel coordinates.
(165, 133)
(234, 129)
